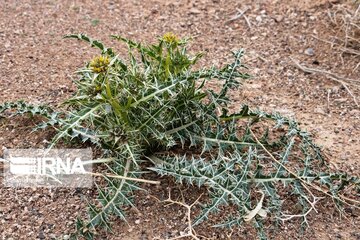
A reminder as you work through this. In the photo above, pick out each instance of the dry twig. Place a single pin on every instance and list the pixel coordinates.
(345, 82)
(239, 15)
(190, 230)
(347, 22)
(123, 177)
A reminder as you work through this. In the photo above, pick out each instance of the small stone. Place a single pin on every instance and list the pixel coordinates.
(341, 100)
(258, 18)
(194, 11)
(66, 237)
(41, 235)
(255, 86)
(320, 111)
(256, 70)
(344, 156)
(137, 221)
(279, 18)
(309, 52)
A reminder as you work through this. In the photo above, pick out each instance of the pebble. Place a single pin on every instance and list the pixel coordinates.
(137, 221)
(341, 100)
(256, 71)
(279, 18)
(41, 235)
(194, 11)
(258, 18)
(344, 156)
(309, 51)
(320, 111)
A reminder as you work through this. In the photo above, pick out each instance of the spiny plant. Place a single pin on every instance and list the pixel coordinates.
(153, 104)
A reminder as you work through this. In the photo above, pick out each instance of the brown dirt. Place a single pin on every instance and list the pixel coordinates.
(37, 65)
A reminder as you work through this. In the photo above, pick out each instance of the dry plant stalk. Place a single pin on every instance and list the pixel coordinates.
(347, 38)
(345, 82)
(190, 230)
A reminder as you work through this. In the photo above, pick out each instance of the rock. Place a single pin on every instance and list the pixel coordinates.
(41, 235)
(256, 71)
(344, 156)
(309, 52)
(258, 18)
(341, 100)
(278, 18)
(194, 11)
(137, 221)
(255, 86)
(320, 111)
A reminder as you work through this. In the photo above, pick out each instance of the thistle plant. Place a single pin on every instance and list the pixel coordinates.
(153, 104)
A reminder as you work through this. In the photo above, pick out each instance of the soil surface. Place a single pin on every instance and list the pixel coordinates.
(37, 65)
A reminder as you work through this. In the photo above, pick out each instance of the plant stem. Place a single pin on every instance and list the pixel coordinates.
(125, 178)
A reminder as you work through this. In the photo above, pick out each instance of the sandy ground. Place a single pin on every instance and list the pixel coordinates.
(37, 65)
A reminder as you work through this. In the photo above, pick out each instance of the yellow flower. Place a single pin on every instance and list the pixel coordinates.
(170, 38)
(99, 64)
(97, 88)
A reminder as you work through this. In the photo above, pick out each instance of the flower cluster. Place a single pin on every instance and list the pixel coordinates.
(170, 38)
(99, 64)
